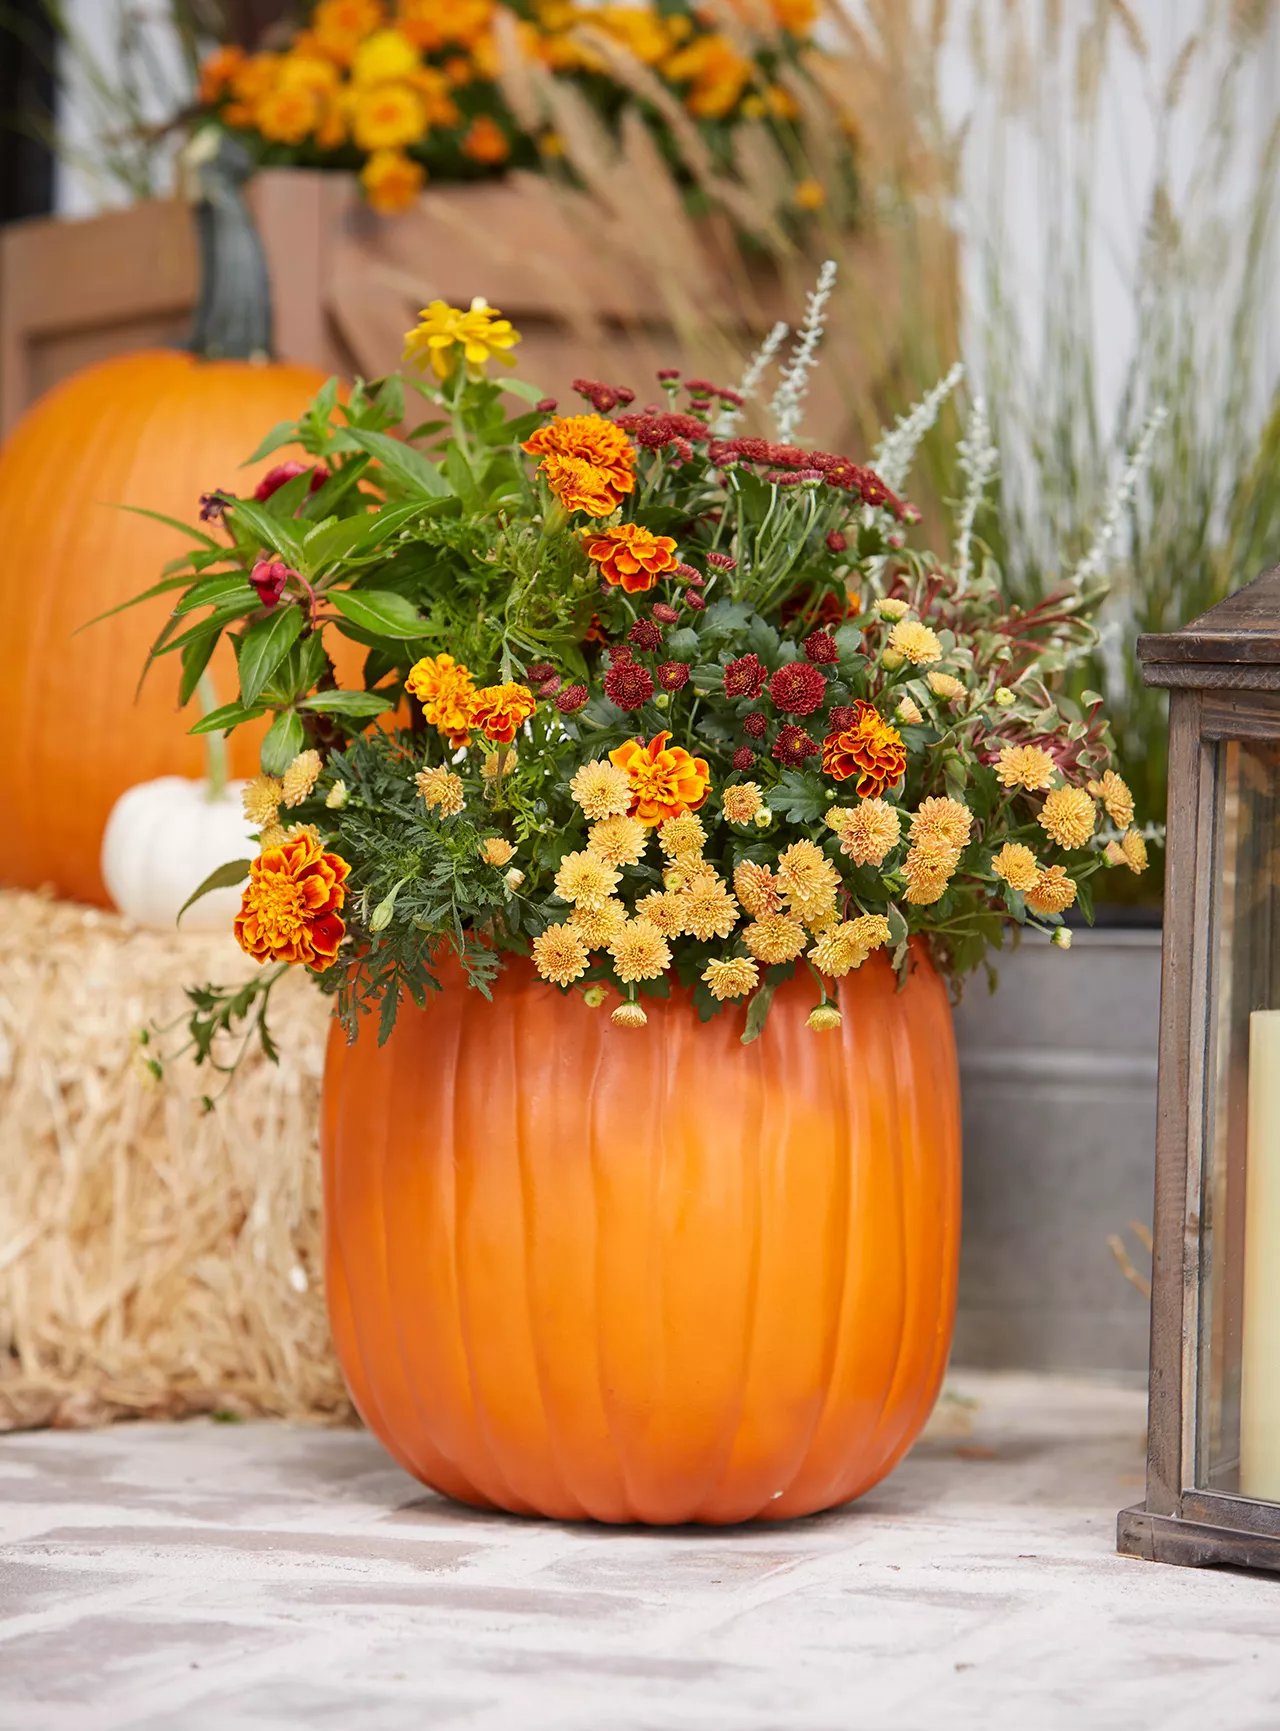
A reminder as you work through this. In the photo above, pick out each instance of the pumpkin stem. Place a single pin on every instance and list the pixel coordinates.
(215, 744)
(233, 313)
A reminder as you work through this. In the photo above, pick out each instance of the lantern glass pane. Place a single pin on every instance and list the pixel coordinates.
(1238, 1428)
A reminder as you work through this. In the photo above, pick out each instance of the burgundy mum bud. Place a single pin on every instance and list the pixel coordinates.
(664, 614)
(820, 646)
(689, 574)
(798, 688)
(837, 540)
(735, 399)
(652, 409)
(269, 577)
(699, 387)
(694, 600)
(683, 451)
(897, 541)
(790, 457)
(602, 397)
(793, 745)
(673, 675)
(698, 404)
(549, 687)
(745, 677)
(283, 473)
(618, 652)
(843, 716)
(756, 724)
(743, 757)
(624, 394)
(545, 406)
(538, 670)
(212, 505)
(628, 685)
(722, 562)
(571, 699)
(665, 373)
(645, 634)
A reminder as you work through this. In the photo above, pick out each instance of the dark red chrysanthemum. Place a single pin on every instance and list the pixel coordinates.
(820, 646)
(673, 675)
(665, 373)
(602, 397)
(664, 614)
(837, 540)
(645, 634)
(549, 687)
(694, 600)
(743, 757)
(700, 386)
(688, 574)
(628, 685)
(734, 398)
(793, 745)
(537, 671)
(571, 699)
(745, 677)
(798, 688)
(618, 652)
(843, 715)
(756, 724)
(654, 430)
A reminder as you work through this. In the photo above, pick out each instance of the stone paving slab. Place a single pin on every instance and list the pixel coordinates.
(274, 1578)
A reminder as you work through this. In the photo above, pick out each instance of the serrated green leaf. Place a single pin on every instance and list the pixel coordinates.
(225, 877)
(361, 703)
(379, 611)
(264, 646)
(414, 472)
(282, 744)
(225, 717)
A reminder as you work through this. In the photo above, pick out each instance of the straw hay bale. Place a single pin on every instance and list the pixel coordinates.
(155, 1259)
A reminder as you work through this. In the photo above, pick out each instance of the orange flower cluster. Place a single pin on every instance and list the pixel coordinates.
(631, 557)
(447, 693)
(590, 464)
(869, 749)
(291, 910)
(665, 780)
(500, 711)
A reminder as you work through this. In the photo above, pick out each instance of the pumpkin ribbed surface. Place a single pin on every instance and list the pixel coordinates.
(646, 1276)
(154, 429)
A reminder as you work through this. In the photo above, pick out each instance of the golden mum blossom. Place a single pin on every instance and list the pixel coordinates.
(929, 868)
(1069, 816)
(1025, 766)
(585, 879)
(599, 926)
(1017, 865)
(908, 712)
(560, 954)
(300, 777)
(915, 641)
(1114, 854)
(945, 685)
(620, 841)
(824, 1018)
(602, 789)
(868, 831)
(775, 938)
(741, 803)
(391, 181)
(1053, 892)
(839, 950)
(271, 835)
(948, 821)
(440, 787)
(261, 799)
(664, 909)
(1114, 793)
(640, 952)
(731, 979)
(628, 1016)
(496, 850)
(1134, 849)
(873, 931)
(708, 908)
(757, 889)
(682, 837)
(481, 333)
(809, 882)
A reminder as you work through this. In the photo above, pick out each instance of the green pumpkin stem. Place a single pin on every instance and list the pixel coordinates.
(215, 744)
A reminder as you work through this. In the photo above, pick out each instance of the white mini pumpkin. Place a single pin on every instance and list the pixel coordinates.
(163, 839)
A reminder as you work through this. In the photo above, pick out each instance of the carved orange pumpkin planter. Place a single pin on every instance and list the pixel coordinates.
(654, 1275)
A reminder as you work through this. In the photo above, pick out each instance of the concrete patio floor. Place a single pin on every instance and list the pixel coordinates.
(262, 1577)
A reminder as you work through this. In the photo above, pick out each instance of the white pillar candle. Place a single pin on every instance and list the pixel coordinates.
(1260, 1349)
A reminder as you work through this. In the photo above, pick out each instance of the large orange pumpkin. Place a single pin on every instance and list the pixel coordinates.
(646, 1276)
(154, 429)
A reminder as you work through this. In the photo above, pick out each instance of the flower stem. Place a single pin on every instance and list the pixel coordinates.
(215, 744)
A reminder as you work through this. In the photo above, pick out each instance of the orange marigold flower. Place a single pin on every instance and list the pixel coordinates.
(339, 26)
(869, 749)
(387, 117)
(447, 692)
(485, 141)
(632, 557)
(501, 710)
(392, 181)
(216, 72)
(589, 463)
(431, 24)
(291, 910)
(665, 780)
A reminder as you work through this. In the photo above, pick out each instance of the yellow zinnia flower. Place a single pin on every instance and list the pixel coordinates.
(481, 333)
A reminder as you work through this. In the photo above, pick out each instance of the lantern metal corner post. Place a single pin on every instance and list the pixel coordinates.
(1213, 1462)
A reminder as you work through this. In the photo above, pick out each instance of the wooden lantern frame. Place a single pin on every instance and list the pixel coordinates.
(1223, 676)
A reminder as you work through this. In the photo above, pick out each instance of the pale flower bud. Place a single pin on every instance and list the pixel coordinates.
(594, 996)
(763, 818)
(892, 659)
(824, 1018)
(1005, 697)
(893, 609)
(1062, 938)
(513, 879)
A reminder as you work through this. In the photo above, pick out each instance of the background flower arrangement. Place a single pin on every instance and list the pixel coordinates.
(655, 702)
(400, 89)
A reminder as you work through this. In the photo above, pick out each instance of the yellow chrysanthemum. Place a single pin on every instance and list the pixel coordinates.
(620, 841)
(915, 641)
(481, 333)
(440, 787)
(682, 838)
(872, 931)
(560, 954)
(261, 799)
(640, 952)
(300, 777)
(585, 879)
(337, 795)
(893, 608)
(496, 850)
(708, 908)
(599, 926)
(1025, 766)
(929, 868)
(945, 685)
(742, 802)
(388, 117)
(602, 789)
(628, 1016)
(391, 181)
(271, 835)
(1017, 865)
(947, 821)
(809, 883)
(775, 938)
(385, 57)
(824, 1018)
(1134, 849)
(731, 979)
(868, 831)
(1116, 798)
(838, 950)
(757, 889)
(664, 909)
(1053, 892)
(1069, 816)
